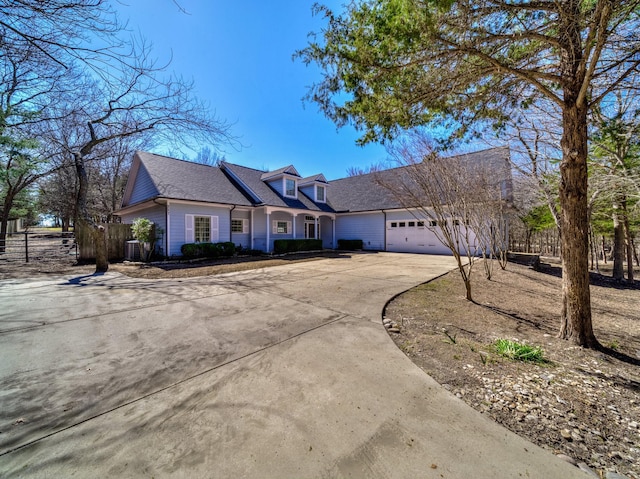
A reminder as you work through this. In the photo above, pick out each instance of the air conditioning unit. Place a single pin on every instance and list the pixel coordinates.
(132, 251)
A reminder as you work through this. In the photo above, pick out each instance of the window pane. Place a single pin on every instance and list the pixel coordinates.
(402, 224)
(290, 187)
(433, 223)
(412, 224)
(320, 193)
(394, 224)
(236, 226)
(202, 229)
(282, 227)
(420, 224)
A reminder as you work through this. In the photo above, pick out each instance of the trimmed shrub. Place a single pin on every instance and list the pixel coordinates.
(227, 249)
(190, 250)
(350, 244)
(208, 250)
(294, 245)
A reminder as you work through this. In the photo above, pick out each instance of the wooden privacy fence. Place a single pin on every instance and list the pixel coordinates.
(117, 234)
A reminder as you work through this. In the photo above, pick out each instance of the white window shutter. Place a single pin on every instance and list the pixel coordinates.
(245, 226)
(189, 236)
(215, 232)
(274, 227)
(289, 230)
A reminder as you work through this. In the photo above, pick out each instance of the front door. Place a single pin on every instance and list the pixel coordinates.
(310, 230)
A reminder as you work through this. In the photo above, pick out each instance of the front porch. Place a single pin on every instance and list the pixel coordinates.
(270, 223)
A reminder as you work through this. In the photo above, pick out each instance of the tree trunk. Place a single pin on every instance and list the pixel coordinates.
(84, 220)
(4, 219)
(628, 240)
(576, 299)
(618, 242)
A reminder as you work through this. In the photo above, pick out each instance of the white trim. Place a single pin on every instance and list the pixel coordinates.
(244, 226)
(274, 227)
(252, 230)
(268, 245)
(333, 234)
(315, 191)
(294, 224)
(284, 187)
(297, 211)
(189, 228)
(201, 203)
(214, 228)
(168, 232)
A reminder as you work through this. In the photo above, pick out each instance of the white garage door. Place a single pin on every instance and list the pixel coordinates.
(412, 236)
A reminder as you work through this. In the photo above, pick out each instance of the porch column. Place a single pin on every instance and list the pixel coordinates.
(333, 233)
(251, 226)
(315, 220)
(293, 222)
(268, 232)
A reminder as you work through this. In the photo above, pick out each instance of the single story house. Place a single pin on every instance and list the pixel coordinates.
(191, 202)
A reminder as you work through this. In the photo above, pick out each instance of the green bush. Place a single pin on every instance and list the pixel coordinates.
(294, 245)
(208, 250)
(142, 230)
(227, 249)
(190, 250)
(350, 244)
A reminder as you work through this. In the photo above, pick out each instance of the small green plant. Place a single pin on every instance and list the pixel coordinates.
(519, 352)
(451, 339)
(613, 345)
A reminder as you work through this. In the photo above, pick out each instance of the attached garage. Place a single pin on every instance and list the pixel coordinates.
(412, 236)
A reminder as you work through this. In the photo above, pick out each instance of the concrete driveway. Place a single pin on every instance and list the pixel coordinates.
(280, 372)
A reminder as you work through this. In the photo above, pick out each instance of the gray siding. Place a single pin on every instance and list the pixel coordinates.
(259, 230)
(143, 188)
(242, 239)
(309, 191)
(369, 228)
(326, 232)
(277, 185)
(177, 233)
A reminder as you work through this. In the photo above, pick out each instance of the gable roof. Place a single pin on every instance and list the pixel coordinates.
(254, 181)
(319, 178)
(155, 176)
(287, 170)
(182, 180)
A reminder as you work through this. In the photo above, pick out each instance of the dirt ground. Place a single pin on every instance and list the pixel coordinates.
(174, 269)
(583, 405)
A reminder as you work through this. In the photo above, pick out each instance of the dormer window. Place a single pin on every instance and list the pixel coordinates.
(320, 194)
(290, 188)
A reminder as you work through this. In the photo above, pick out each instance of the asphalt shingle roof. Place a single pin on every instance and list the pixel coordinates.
(242, 186)
(252, 179)
(185, 180)
(367, 193)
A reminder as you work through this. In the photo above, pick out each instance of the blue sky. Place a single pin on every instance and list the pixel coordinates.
(239, 53)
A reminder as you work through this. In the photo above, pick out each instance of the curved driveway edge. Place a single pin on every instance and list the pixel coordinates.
(280, 372)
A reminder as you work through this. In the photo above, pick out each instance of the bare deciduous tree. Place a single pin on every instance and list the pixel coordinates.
(462, 201)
